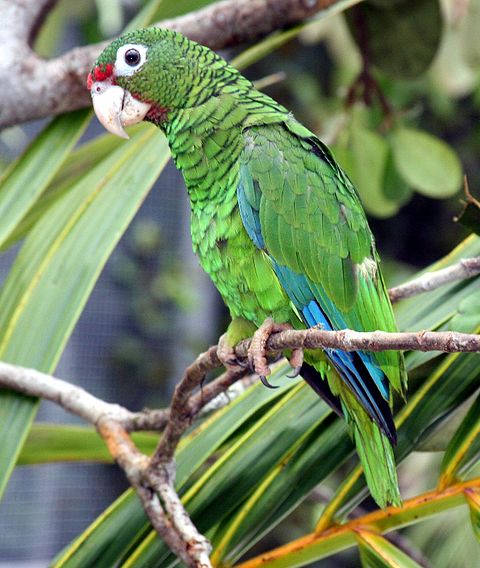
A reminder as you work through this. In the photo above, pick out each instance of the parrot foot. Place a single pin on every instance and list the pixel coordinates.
(257, 352)
(226, 354)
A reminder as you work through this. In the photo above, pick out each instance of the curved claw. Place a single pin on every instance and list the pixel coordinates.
(295, 373)
(243, 363)
(265, 383)
(296, 362)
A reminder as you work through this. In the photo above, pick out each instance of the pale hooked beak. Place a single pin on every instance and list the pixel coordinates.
(115, 107)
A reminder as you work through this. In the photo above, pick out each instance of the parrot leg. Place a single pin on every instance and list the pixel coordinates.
(238, 329)
(226, 353)
(257, 352)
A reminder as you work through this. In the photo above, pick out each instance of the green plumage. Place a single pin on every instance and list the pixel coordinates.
(275, 222)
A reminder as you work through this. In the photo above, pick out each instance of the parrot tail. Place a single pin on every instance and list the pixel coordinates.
(374, 444)
(356, 372)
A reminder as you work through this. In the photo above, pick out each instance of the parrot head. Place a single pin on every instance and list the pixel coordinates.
(150, 73)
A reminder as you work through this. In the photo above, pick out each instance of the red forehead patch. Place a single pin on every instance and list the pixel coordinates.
(100, 73)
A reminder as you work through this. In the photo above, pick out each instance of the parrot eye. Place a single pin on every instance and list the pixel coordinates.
(132, 57)
(129, 59)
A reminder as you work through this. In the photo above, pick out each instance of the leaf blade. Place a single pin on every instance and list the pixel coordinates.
(69, 246)
(426, 163)
(26, 179)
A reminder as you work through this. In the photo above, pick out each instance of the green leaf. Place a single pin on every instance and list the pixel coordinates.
(394, 186)
(172, 8)
(47, 443)
(473, 500)
(79, 162)
(426, 163)
(114, 532)
(26, 179)
(467, 315)
(468, 27)
(318, 452)
(400, 38)
(378, 552)
(317, 545)
(147, 15)
(439, 438)
(58, 266)
(464, 446)
(369, 154)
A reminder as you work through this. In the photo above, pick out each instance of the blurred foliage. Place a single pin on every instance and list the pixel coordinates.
(154, 283)
(399, 37)
(394, 89)
(470, 215)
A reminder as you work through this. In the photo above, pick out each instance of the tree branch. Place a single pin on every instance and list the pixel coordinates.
(39, 88)
(72, 398)
(349, 340)
(27, 17)
(157, 494)
(466, 268)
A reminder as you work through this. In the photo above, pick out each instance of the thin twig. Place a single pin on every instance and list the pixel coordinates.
(184, 406)
(349, 340)
(179, 411)
(466, 268)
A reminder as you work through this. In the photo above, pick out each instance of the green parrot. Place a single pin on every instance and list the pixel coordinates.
(275, 222)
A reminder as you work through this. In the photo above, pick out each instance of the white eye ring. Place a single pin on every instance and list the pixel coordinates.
(126, 68)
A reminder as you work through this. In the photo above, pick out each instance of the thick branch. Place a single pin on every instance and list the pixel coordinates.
(40, 88)
(157, 494)
(72, 398)
(27, 16)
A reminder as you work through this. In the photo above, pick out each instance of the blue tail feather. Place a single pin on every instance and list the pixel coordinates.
(360, 373)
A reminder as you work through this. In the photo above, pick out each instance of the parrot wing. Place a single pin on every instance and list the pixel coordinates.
(300, 208)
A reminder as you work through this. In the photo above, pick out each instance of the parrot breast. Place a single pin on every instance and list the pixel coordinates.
(242, 273)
